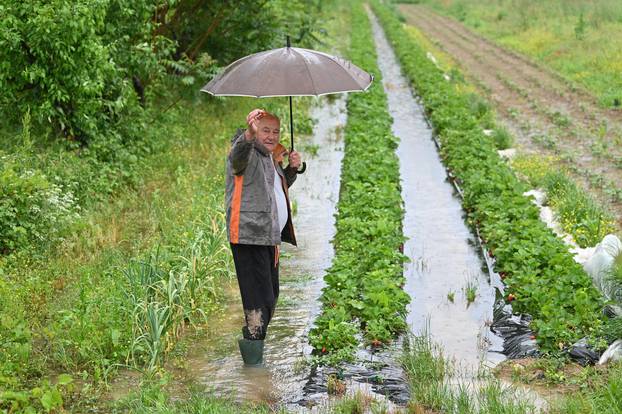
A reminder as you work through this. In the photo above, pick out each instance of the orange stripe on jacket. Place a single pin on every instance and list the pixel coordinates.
(234, 225)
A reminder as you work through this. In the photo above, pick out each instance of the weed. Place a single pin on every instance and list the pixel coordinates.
(311, 150)
(451, 295)
(470, 291)
(335, 386)
(432, 380)
(503, 139)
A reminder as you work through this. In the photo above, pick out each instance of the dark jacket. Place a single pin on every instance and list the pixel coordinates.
(252, 216)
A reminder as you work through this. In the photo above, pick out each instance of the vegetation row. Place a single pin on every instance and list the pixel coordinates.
(540, 275)
(363, 290)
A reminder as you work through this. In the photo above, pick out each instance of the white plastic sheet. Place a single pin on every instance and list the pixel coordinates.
(599, 267)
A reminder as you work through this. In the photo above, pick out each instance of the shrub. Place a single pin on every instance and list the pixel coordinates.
(31, 207)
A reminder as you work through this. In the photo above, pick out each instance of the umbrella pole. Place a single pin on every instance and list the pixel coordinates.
(291, 123)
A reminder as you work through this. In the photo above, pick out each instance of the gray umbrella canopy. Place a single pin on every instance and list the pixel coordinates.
(288, 71)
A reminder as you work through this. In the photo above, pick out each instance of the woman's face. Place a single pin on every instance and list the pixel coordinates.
(268, 133)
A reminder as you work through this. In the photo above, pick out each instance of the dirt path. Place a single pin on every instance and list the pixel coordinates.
(544, 113)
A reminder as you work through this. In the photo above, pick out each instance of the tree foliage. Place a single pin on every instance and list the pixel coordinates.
(82, 66)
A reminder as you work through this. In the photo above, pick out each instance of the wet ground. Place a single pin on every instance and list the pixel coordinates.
(215, 362)
(453, 291)
(445, 267)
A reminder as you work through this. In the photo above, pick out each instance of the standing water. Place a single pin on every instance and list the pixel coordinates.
(452, 298)
(215, 362)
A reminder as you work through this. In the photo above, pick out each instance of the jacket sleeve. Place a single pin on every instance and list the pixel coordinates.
(240, 152)
(290, 175)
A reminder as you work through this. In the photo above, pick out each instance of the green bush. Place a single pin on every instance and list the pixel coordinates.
(31, 207)
(502, 138)
(56, 63)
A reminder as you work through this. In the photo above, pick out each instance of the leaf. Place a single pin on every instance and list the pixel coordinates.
(51, 399)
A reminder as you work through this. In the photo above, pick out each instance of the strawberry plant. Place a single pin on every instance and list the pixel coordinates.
(363, 290)
(541, 277)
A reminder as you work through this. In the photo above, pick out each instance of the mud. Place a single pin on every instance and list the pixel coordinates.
(535, 103)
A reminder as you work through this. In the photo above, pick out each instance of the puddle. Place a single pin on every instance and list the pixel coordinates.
(215, 362)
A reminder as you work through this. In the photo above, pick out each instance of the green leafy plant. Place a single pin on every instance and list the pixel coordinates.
(470, 291)
(364, 284)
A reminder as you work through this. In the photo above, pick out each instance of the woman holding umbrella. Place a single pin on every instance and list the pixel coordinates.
(258, 219)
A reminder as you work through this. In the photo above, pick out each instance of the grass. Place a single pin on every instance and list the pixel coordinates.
(151, 398)
(571, 37)
(571, 388)
(85, 305)
(435, 384)
(140, 269)
(470, 291)
(579, 214)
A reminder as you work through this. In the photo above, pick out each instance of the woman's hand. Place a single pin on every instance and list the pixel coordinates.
(294, 160)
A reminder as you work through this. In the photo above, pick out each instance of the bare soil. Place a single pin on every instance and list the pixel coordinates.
(545, 113)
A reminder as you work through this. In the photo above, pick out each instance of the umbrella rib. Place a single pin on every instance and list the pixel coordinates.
(306, 66)
(334, 61)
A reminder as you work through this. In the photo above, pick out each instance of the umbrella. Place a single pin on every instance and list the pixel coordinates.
(289, 71)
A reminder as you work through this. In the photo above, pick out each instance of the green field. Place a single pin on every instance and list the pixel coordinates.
(578, 39)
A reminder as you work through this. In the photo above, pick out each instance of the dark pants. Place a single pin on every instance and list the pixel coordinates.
(258, 278)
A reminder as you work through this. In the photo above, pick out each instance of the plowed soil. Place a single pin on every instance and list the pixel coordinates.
(545, 113)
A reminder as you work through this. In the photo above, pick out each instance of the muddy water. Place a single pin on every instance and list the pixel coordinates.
(444, 259)
(215, 362)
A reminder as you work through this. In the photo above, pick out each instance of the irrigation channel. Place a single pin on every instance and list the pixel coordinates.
(444, 259)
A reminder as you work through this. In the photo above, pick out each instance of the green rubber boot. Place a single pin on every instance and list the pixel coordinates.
(252, 351)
